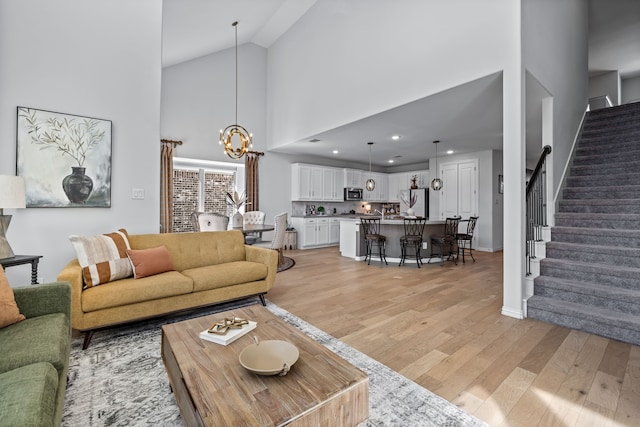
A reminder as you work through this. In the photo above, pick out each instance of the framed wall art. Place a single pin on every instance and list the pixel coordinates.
(64, 159)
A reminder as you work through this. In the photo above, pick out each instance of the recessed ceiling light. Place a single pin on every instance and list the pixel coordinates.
(390, 160)
(395, 137)
(335, 151)
(449, 151)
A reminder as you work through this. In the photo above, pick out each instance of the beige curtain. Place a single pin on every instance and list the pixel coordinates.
(251, 179)
(166, 185)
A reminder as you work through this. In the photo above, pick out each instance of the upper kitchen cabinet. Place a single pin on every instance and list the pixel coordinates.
(380, 192)
(332, 184)
(316, 183)
(402, 181)
(353, 178)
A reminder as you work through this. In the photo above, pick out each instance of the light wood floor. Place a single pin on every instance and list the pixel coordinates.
(442, 328)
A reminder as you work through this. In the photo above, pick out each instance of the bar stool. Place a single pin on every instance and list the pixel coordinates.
(412, 239)
(446, 240)
(465, 240)
(371, 229)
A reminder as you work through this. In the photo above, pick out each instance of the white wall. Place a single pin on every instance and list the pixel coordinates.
(631, 90)
(606, 84)
(198, 99)
(91, 58)
(344, 61)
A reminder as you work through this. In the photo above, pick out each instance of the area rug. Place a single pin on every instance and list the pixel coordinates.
(287, 264)
(120, 381)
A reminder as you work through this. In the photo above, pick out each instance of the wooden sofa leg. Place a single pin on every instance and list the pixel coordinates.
(262, 300)
(87, 338)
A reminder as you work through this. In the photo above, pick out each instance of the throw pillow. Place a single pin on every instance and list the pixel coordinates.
(147, 262)
(9, 312)
(103, 258)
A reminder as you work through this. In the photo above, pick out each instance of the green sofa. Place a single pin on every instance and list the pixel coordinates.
(34, 357)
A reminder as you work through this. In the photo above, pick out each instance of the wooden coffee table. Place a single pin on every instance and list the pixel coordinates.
(213, 389)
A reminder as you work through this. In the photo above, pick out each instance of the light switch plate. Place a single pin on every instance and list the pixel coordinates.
(137, 193)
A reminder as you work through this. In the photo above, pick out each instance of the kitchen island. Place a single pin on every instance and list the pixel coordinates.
(353, 245)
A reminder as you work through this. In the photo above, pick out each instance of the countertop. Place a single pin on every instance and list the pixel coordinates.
(393, 220)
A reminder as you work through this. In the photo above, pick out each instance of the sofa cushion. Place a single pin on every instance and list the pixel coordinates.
(192, 250)
(131, 291)
(28, 395)
(103, 258)
(37, 339)
(221, 275)
(9, 312)
(147, 262)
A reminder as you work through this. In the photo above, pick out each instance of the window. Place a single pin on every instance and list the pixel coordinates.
(201, 186)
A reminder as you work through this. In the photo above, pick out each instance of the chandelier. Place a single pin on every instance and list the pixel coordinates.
(371, 184)
(436, 184)
(235, 130)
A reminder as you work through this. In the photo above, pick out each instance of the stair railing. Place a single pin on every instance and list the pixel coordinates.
(536, 196)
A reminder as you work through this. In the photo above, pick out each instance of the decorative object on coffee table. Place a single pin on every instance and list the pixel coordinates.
(272, 357)
(65, 159)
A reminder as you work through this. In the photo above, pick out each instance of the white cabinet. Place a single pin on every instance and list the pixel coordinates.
(332, 184)
(402, 181)
(379, 193)
(353, 178)
(314, 232)
(334, 231)
(316, 183)
(306, 182)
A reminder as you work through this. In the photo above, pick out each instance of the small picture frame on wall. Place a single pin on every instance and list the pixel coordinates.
(64, 159)
(500, 185)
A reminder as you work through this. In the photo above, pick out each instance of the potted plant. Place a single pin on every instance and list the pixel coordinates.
(72, 138)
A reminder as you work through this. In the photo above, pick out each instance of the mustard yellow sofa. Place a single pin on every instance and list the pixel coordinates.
(210, 268)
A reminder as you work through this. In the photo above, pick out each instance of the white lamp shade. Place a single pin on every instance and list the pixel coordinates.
(12, 194)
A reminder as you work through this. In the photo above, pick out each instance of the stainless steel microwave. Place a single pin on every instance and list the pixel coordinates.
(352, 194)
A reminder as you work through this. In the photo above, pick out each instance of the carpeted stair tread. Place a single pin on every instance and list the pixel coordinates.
(603, 147)
(621, 167)
(603, 274)
(624, 221)
(610, 158)
(602, 192)
(607, 297)
(623, 327)
(629, 178)
(600, 206)
(595, 236)
(608, 255)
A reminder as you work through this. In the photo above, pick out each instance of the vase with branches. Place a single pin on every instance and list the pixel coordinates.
(237, 201)
(409, 200)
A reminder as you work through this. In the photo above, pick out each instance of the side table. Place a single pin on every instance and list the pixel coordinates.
(24, 259)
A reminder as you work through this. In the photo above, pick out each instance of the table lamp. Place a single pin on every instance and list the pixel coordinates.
(11, 197)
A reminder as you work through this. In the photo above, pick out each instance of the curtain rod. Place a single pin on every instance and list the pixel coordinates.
(170, 141)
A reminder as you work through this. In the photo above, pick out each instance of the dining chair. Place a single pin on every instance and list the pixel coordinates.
(371, 230)
(277, 243)
(446, 242)
(253, 217)
(209, 221)
(412, 239)
(465, 240)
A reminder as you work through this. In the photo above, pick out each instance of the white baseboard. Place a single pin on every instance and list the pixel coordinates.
(517, 314)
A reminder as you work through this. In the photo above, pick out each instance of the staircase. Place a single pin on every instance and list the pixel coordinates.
(590, 278)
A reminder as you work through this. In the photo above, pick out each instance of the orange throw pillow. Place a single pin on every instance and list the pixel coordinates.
(9, 312)
(147, 262)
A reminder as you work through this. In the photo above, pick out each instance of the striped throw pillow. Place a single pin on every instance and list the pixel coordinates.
(103, 258)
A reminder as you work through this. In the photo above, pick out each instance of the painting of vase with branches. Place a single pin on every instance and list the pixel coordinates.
(64, 159)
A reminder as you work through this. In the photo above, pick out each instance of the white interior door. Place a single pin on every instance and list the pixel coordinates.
(467, 189)
(449, 192)
(459, 194)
